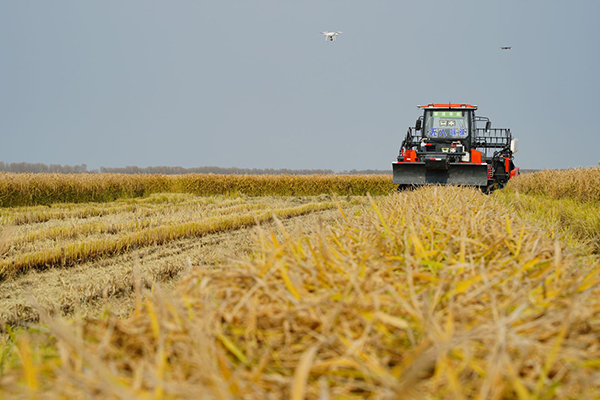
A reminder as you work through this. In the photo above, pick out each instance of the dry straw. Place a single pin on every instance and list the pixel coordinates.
(134, 235)
(564, 202)
(577, 183)
(437, 293)
(35, 189)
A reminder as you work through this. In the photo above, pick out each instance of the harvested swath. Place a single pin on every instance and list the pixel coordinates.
(166, 216)
(439, 292)
(73, 222)
(85, 250)
(171, 210)
(576, 183)
(106, 283)
(45, 189)
(148, 205)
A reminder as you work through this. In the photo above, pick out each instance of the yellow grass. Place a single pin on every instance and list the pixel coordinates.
(65, 238)
(565, 203)
(576, 183)
(441, 292)
(45, 189)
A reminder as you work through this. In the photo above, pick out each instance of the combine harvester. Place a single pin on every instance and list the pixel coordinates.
(447, 148)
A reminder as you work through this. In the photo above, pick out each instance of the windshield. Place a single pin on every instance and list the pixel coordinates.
(446, 124)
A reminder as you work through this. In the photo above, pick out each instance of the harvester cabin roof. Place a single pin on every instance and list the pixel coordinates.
(447, 106)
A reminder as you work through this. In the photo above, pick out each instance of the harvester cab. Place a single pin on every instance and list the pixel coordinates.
(450, 145)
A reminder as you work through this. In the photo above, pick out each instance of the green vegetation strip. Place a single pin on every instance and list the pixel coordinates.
(91, 249)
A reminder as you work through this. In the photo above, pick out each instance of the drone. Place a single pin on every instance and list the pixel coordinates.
(506, 47)
(330, 35)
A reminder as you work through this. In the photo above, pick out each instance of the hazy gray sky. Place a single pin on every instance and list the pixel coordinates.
(253, 84)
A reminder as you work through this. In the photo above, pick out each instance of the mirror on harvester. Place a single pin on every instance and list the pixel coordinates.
(488, 126)
(514, 145)
(418, 125)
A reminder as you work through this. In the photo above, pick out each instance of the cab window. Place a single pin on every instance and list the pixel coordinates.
(446, 124)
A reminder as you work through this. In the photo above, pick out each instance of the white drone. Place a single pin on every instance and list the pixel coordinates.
(330, 35)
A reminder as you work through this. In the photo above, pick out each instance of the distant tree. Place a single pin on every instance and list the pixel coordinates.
(210, 170)
(367, 172)
(24, 167)
(37, 168)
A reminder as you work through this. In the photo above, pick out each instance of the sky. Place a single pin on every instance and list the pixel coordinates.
(253, 84)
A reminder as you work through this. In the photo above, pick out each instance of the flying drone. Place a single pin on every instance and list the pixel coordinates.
(330, 35)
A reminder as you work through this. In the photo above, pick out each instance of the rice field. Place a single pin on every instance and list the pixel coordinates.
(565, 203)
(581, 184)
(440, 292)
(45, 189)
(64, 236)
(72, 257)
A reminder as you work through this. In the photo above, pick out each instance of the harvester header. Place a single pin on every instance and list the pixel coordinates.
(447, 147)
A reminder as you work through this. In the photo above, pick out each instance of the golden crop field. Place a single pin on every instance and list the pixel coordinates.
(44, 189)
(439, 292)
(41, 242)
(577, 183)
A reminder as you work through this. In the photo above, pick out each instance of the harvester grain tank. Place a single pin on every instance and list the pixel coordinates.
(447, 147)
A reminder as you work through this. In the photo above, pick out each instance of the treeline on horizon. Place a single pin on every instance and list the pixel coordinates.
(24, 167)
